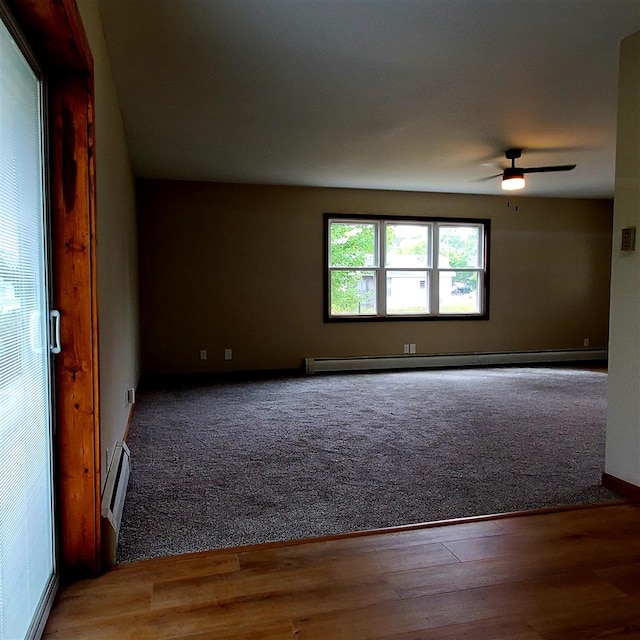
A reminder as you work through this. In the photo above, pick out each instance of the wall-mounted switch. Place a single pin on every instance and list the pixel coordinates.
(228, 354)
(203, 354)
(628, 239)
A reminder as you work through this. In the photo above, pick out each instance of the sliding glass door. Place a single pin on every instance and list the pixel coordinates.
(27, 541)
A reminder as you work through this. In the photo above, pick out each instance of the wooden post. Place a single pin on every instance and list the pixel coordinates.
(76, 371)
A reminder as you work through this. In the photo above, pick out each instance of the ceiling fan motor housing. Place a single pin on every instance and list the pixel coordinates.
(512, 172)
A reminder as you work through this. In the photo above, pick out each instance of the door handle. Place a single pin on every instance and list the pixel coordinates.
(54, 331)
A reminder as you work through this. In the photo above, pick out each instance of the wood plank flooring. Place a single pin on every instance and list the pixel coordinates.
(565, 575)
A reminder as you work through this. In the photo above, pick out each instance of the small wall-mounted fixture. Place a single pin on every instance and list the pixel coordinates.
(628, 239)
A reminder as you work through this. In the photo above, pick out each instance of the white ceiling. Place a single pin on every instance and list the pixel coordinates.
(393, 94)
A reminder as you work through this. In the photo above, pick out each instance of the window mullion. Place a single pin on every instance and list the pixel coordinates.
(382, 270)
(435, 272)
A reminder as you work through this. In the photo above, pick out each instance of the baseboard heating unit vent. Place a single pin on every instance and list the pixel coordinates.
(113, 500)
(375, 363)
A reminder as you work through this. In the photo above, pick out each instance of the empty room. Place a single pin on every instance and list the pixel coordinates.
(319, 319)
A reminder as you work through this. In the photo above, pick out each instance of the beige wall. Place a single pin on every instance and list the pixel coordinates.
(240, 267)
(117, 248)
(623, 420)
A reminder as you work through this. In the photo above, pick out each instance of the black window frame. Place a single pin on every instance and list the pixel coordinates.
(431, 317)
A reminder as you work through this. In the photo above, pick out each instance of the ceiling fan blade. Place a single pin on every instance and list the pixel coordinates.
(497, 175)
(559, 167)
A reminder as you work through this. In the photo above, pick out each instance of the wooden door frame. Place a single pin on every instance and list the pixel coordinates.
(54, 31)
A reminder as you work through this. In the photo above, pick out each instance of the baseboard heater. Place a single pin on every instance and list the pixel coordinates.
(375, 363)
(115, 490)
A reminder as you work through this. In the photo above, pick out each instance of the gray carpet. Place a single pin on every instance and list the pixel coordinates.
(230, 464)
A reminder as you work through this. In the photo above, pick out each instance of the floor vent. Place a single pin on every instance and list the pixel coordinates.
(113, 500)
(375, 363)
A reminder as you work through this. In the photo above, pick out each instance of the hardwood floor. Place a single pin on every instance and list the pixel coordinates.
(564, 575)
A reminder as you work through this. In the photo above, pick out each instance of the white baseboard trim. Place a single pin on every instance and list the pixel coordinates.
(375, 363)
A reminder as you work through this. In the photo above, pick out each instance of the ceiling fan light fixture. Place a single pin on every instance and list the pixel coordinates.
(512, 180)
(513, 177)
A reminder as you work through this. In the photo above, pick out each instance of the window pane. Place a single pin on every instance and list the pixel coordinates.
(407, 246)
(353, 293)
(26, 490)
(352, 245)
(459, 292)
(459, 247)
(407, 292)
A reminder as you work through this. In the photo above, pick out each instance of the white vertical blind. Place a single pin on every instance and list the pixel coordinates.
(26, 513)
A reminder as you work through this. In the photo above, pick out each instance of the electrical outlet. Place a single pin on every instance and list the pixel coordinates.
(585, 342)
(131, 395)
(412, 347)
(405, 348)
(203, 354)
(228, 354)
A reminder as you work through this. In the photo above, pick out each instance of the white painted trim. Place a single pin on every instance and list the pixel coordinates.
(374, 363)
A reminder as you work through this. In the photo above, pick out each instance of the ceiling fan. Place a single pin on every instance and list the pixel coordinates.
(513, 177)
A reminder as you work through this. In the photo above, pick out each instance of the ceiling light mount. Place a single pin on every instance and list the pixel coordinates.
(513, 178)
(513, 155)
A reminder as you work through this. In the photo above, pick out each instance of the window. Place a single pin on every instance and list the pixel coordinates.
(406, 268)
